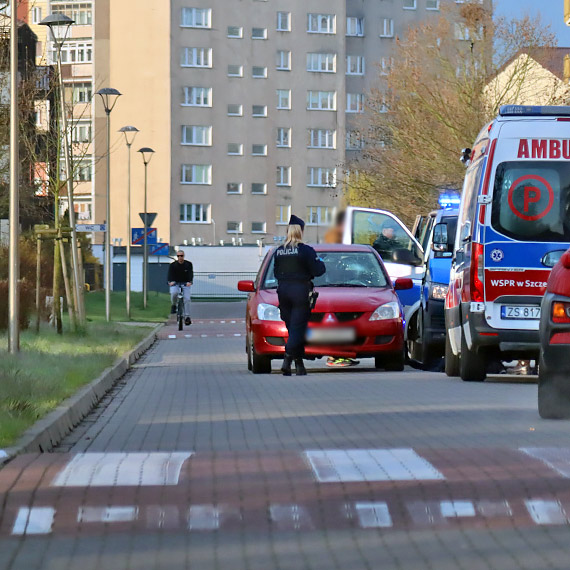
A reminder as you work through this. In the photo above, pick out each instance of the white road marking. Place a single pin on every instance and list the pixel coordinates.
(373, 515)
(454, 509)
(556, 458)
(357, 465)
(107, 514)
(203, 335)
(234, 322)
(546, 512)
(171, 336)
(237, 334)
(223, 322)
(187, 336)
(122, 470)
(290, 517)
(35, 520)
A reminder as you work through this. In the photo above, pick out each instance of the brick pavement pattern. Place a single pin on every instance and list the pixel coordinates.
(193, 462)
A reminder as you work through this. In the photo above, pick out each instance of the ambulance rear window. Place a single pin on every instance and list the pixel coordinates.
(531, 200)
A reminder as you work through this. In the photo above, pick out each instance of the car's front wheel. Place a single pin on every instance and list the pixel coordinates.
(259, 364)
(392, 362)
(553, 393)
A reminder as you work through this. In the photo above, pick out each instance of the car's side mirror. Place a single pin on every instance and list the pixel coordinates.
(403, 283)
(246, 286)
(440, 238)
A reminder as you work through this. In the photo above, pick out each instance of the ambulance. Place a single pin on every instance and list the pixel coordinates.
(513, 227)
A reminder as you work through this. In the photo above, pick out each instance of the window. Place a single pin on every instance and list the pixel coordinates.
(194, 213)
(321, 62)
(258, 227)
(196, 135)
(235, 32)
(321, 138)
(283, 99)
(259, 72)
(386, 28)
(83, 172)
(283, 21)
(432, 4)
(283, 60)
(283, 137)
(354, 140)
(386, 64)
(235, 149)
(235, 110)
(321, 100)
(82, 133)
(258, 33)
(80, 12)
(36, 15)
(317, 176)
(354, 102)
(234, 187)
(410, 4)
(259, 111)
(196, 18)
(354, 65)
(197, 97)
(234, 228)
(321, 24)
(196, 174)
(320, 215)
(82, 92)
(283, 176)
(75, 52)
(259, 150)
(235, 70)
(196, 57)
(282, 215)
(259, 188)
(355, 27)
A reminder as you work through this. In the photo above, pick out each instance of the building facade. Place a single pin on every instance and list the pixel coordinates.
(250, 106)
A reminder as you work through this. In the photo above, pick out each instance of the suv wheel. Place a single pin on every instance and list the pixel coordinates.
(472, 366)
(451, 361)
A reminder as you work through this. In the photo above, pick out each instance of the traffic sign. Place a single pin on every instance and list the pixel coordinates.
(159, 249)
(150, 217)
(90, 227)
(138, 236)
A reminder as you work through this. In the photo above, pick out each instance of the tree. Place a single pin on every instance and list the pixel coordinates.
(434, 103)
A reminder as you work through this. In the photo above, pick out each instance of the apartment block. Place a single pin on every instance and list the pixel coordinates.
(249, 105)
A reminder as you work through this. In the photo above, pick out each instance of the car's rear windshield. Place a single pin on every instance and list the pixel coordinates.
(531, 201)
(344, 269)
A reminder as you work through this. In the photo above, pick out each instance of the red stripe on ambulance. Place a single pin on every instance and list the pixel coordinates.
(544, 149)
(527, 282)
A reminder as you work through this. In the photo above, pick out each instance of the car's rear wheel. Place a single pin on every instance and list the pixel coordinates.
(472, 365)
(451, 360)
(553, 399)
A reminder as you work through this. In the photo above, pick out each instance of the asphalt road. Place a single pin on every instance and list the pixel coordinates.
(193, 462)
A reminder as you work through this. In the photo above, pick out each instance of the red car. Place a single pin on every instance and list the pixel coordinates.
(554, 367)
(357, 314)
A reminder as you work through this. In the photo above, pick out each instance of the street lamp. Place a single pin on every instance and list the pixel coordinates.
(59, 26)
(130, 135)
(109, 97)
(14, 215)
(146, 154)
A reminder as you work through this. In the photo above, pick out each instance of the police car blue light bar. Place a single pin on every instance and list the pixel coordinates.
(448, 200)
(533, 111)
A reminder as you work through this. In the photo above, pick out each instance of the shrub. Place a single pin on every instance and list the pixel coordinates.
(27, 301)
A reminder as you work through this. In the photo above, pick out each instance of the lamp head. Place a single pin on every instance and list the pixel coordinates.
(109, 97)
(146, 153)
(58, 22)
(130, 133)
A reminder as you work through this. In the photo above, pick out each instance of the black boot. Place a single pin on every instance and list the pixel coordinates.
(286, 368)
(300, 369)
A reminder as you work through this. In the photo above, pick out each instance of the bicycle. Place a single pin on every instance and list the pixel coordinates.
(180, 306)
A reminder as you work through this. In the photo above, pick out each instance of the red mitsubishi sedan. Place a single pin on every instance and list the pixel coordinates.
(357, 314)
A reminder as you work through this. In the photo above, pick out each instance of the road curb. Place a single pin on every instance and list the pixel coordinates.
(49, 431)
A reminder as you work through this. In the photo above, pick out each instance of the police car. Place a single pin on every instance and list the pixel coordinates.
(514, 219)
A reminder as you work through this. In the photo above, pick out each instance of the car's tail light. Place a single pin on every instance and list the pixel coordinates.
(477, 273)
(560, 312)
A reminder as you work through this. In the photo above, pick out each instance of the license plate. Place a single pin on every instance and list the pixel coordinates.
(520, 312)
(331, 336)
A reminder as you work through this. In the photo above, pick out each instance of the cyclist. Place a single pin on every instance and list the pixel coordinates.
(181, 272)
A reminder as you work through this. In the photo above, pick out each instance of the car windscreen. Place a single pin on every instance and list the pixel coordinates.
(387, 236)
(531, 200)
(344, 269)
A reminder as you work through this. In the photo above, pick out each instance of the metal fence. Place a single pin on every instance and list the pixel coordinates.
(220, 285)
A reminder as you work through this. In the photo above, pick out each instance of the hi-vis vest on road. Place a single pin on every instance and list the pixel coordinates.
(514, 225)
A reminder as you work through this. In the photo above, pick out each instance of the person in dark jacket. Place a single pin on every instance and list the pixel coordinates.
(181, 271)
(296, 264)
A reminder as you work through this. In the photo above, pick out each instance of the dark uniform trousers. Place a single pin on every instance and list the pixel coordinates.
(295, 311)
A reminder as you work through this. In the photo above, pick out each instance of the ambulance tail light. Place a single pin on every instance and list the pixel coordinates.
(477, 273)
(561, 313)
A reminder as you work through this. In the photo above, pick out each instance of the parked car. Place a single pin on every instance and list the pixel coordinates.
(554, 367)
(514, 215)
(358, 313)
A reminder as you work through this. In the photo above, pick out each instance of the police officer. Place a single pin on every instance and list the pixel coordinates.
(296, 264)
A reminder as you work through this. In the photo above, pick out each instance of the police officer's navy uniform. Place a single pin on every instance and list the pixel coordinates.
(295, 267)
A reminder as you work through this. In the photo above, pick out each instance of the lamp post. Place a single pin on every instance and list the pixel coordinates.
(130, 135)
(59, 26)
(109, 97)
(146, 154)
(14, 215)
